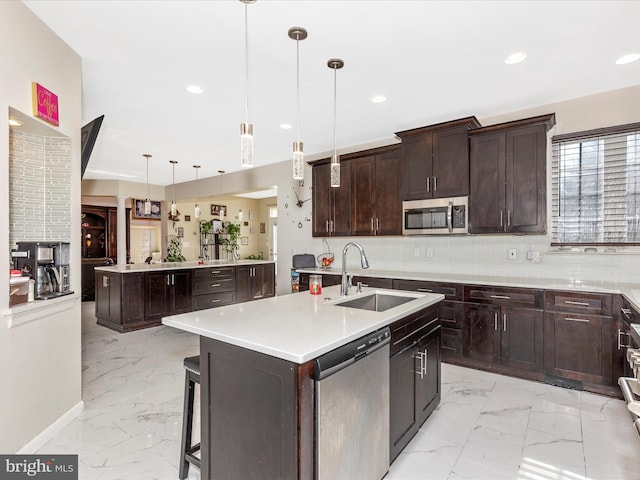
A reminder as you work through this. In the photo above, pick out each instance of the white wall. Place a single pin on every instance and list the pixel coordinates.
(40, 362)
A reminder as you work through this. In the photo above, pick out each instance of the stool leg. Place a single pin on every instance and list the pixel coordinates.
(187, 425)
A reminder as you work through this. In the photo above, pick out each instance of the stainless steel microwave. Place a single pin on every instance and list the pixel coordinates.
(437, 216)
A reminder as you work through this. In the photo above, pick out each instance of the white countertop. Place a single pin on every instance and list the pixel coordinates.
(630, 291)
(297, 327)
(145, 267)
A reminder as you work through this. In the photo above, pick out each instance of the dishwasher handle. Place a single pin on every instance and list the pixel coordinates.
(343, 356)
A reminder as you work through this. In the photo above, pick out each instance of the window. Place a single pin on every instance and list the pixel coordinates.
(596, 187)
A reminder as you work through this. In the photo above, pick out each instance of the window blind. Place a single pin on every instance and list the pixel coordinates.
(596, 187)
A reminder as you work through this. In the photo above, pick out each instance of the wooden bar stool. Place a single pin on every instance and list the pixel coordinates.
(192, 368)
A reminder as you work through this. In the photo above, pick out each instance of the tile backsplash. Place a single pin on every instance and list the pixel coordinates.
(39, 188)
(486, 255)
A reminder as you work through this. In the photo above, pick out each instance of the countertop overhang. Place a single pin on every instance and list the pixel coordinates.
(629, 290)
(151, 267)
(297, 327)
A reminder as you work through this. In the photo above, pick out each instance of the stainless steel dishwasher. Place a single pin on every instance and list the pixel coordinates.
(352, 410)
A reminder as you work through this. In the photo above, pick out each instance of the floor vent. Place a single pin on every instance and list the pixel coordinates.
(563, 382)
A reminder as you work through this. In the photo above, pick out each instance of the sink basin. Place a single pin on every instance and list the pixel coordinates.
(377, 302)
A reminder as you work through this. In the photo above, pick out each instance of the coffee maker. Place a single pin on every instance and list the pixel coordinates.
(48, 264)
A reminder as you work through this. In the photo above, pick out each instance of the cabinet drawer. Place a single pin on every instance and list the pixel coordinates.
(209, 273)
(451, 291)
(511, 297)
(213, 285)
(374, 282)
(578, 302)
(451, 314)
(412, 328)
(451, 342)
(201, 302)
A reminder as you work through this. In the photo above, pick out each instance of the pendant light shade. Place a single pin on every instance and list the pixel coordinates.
(174, 207)
(147, 202)
(297, 34)
(246, 129)
(335, 64)
(196, 210)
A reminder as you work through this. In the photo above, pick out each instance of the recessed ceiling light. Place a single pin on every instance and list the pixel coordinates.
(378, 99)
(285, 126)
(15, 123)
(515, 58)
(630, 57)
(195, 89)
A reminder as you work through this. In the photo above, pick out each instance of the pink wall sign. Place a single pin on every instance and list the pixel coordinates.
(45, 104)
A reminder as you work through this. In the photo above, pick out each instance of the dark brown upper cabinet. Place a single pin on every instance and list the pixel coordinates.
(435, 160)
(376, 208)
(331, 205)
(508, 183)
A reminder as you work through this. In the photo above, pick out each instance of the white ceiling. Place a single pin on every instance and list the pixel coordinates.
(433, 60)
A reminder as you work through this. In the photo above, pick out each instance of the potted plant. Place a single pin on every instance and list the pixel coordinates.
(174, 250)
(230, 240)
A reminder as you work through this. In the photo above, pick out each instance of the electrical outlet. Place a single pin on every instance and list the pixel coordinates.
(416, 252)
(513, 254)
(429, 252)
(535, 257)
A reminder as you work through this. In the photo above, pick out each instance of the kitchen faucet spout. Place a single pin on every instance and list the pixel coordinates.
(344, 286)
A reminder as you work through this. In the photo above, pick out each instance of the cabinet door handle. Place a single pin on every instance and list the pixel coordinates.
(508, 218)
(501, 225)
(421, 370)
(105, 282)
(258, 296)
(501, 297)
(495, 321)
(372, 226)
(326, 226)
(572, 302)
(428, 184)
(620, 345)
(435, 184)
(504, 322)
(377, 224)
(627, 313)
(215, 272)
(428, 290)
(215, 284)
(168, 279)
(583, 320)
(215, 300)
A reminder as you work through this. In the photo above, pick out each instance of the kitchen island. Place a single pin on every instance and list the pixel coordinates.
(257, 374)
(131, 297)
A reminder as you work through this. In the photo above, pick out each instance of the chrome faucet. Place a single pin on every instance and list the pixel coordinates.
(344, 288)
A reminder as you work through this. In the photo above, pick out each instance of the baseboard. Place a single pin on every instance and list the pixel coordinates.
(52, 430)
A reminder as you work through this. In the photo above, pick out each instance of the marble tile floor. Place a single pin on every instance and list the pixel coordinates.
(487, 426)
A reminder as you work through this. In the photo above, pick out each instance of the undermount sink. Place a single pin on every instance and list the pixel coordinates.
(376, 302)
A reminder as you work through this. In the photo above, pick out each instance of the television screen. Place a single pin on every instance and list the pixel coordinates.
(88, 140)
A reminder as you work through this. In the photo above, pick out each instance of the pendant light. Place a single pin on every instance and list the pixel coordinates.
(174, 207)
(197, 205)
(221, 172)
(246, 129)
(147, 202)
(335, 64)
(297, 34)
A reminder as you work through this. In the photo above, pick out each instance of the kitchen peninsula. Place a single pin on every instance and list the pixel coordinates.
(258, 384)
(131, 297)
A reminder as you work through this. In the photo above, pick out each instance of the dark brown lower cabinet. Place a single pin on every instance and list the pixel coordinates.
(414, 375)
(120, 301)
(260, 417)
(167, 293)
(506, 336)
(579, 347)
(255, 282)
